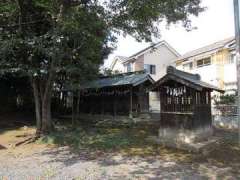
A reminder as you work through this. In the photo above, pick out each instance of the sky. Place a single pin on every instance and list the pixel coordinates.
(214, 24)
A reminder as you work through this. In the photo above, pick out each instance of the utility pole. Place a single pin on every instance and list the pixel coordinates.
(237, 36)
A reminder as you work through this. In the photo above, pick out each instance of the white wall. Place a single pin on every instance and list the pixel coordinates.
(230, 73)
(154, 102)
(125, 67)
(209, 74)
(118, 66)
(161, 57)
(230, 78)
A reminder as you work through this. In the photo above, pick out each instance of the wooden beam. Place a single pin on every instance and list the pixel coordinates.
(73, 109)
(78, 103)
(115, 106)
(102, 105)
(131, 103)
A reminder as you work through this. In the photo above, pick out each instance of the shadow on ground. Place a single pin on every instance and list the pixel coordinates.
(2, 147)
(14, 128)
(125, 151)
(15, 121)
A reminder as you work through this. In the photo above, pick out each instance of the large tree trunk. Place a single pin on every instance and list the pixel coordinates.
(37, 106)
(42, 110)
(42, 90)
(46, 115)
(47, 124)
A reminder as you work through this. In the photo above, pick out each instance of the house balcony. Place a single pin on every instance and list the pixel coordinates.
(209, 74)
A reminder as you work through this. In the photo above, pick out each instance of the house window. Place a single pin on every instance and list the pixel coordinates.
(129, 67)
(231, 59)
(188, 66)
(151, 69)
(204, 62)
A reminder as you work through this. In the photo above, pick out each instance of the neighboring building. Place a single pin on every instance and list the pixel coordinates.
(154, 60)
(117, 64)
(215, 63)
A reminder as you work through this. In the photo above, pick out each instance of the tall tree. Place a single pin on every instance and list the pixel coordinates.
(42, 38)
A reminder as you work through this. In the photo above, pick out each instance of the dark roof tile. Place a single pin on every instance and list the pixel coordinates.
(133, 79)
(194, 79)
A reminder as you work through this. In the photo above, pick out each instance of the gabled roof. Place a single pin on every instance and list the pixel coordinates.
(122, 58)
(188, 79)
(133, 79)
(212, 47)
(152, 47)
(118, 58)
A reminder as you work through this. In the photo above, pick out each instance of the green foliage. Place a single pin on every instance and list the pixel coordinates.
(228, 99)
(15, 94)
(109, 72)
(71, 42)
(78, 35)
(98, 139)
(58, 42)
(140, 18)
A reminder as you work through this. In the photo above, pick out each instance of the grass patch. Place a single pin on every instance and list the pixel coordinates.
(130, 141)
(107, 139)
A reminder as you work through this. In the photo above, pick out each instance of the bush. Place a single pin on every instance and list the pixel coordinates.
(228, 99)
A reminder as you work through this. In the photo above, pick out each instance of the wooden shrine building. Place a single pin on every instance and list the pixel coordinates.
(185, 107)
(116, 95)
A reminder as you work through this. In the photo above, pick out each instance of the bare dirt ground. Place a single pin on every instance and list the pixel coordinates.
(43, 161)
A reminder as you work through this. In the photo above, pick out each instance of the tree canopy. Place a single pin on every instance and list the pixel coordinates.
(44, 38)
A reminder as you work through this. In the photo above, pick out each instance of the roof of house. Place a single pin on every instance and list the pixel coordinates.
(208, 48)
(188, 79)
(122, 58)
(133, 78)
(118, 58)
(152, 47)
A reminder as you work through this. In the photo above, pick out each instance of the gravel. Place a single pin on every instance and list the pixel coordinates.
(36, 161)
(61, 163)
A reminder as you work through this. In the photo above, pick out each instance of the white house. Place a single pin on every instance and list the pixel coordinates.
(153, 59)
(215, 63)
(117, 64)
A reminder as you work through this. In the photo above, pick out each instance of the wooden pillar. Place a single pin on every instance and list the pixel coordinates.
(209, 100)
(73, 109)
(210, 106)
(102, 105)
(193, 94)
(115, 106)
(162, 100)
(147, 99)
(78, 103)
(131, 103)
